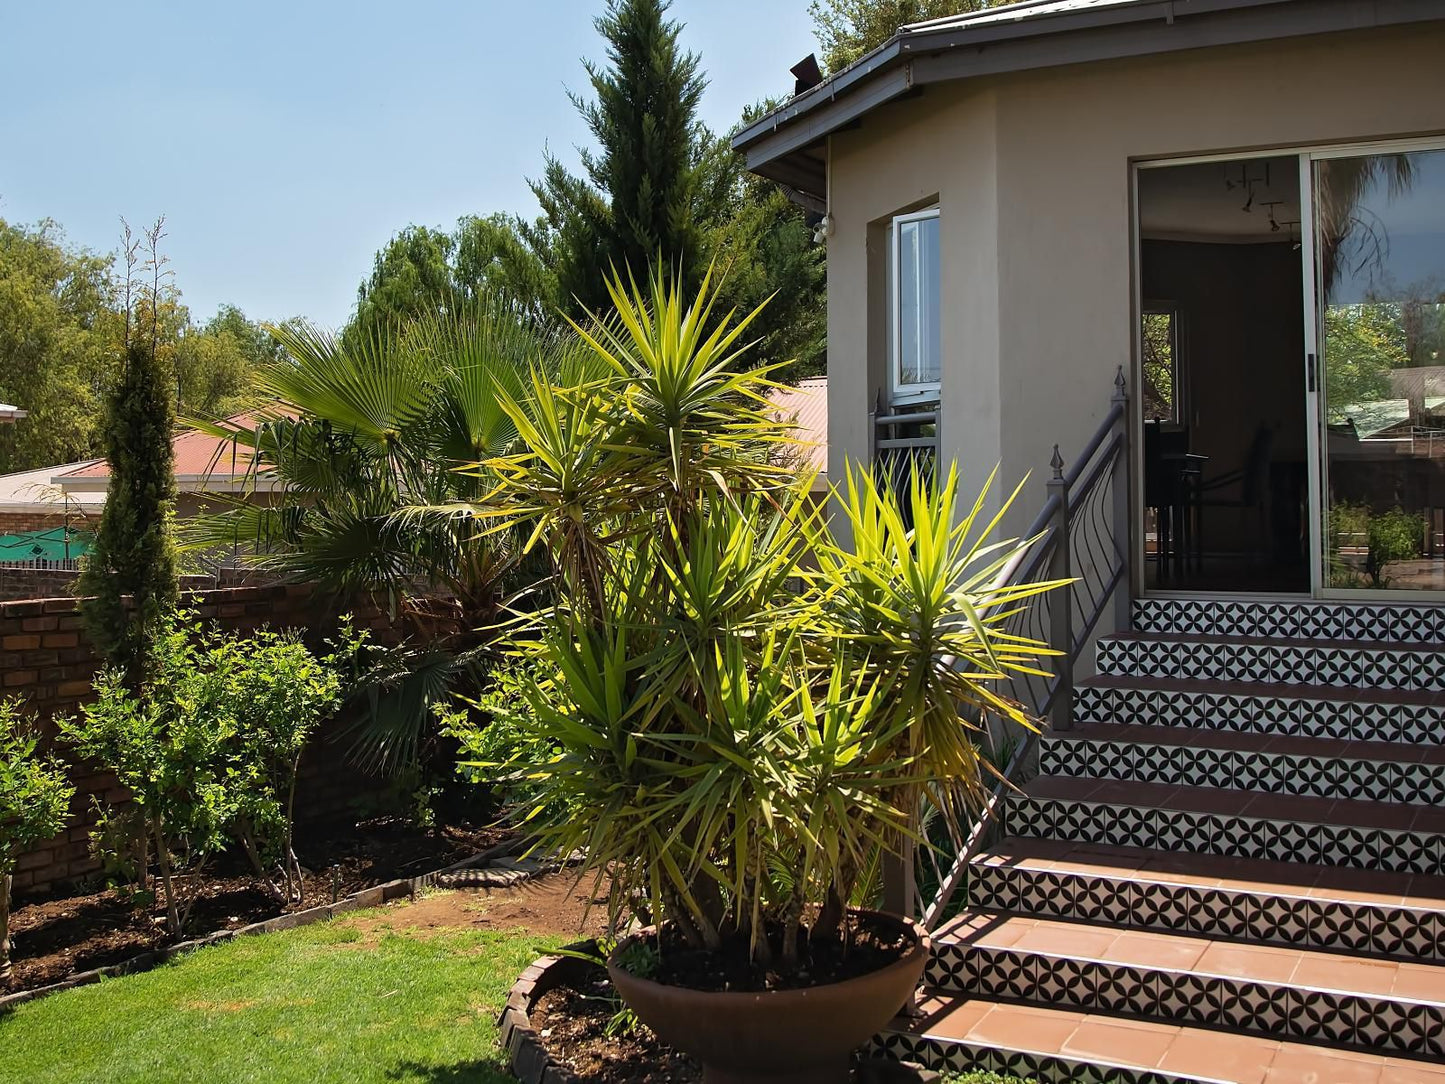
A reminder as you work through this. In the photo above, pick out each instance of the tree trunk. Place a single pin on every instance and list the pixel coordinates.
(163, 857)
(4, 927)
(293, 865)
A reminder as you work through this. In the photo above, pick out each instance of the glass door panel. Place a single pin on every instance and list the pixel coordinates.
(1379, 246)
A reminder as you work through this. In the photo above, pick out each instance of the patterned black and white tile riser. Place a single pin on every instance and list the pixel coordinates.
(1302, 716)
(944, 1055)
(1299, 921)
(1417, 624)
(1346, 846)
(1340, 665)
(1367, 1022)
(1236, 769)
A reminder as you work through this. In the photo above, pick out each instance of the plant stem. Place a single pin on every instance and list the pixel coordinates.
(163, 857)
(292, 863)
(5, 927)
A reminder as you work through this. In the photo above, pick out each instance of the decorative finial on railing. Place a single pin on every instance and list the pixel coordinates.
(1121, 386)
(1057, 462)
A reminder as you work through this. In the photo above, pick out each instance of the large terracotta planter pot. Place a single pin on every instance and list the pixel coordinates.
(802, 1036)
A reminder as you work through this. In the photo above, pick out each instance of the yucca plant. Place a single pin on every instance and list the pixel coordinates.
(738, 738)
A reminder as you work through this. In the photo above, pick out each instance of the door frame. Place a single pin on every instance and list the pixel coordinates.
(1307, 155)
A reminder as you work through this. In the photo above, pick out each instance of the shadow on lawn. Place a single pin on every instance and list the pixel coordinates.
(469, 1073)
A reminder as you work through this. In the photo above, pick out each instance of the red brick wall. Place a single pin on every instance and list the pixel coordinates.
(19, 522)
(46, 660)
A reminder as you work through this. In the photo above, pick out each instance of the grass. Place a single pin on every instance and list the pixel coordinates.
(309, 1006)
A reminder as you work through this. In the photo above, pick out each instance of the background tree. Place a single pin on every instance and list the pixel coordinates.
(644, 193)
(133, 553)
(58, 325)
(846, 29)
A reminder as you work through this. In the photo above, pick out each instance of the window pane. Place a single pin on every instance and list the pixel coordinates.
(1380, 250)
(1161, 398)
(918, 298)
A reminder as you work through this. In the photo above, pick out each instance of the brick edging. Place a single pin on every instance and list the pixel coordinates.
(374, 896)
(528, 1058)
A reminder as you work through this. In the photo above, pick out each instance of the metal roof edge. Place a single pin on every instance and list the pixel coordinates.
(841, 99)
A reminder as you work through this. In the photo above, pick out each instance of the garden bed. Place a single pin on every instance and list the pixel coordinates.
(56, 937)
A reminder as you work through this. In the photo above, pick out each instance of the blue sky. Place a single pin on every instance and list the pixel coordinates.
(285, 142)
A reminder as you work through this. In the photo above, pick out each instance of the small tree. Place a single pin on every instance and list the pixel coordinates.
(280, 693)
(133, 554)
(169, 748)
(35, 795)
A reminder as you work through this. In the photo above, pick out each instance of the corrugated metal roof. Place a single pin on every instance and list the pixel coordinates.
(33, 491)
(1016, 13)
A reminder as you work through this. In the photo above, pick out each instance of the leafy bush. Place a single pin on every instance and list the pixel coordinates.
(35, 794)
(1395, 536)
(500, 742)
(209, 749)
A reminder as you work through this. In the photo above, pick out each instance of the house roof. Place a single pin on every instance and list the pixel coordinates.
(10, 413)
(202, 463)
(789, 144)
(806, 405)
(34, 491)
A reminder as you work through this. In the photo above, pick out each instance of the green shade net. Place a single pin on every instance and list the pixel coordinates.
(48, 545)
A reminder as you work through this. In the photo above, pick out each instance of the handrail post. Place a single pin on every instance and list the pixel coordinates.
(1061, 609)
(1123, 536)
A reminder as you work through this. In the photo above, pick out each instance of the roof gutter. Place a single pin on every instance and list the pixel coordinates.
(947, 50)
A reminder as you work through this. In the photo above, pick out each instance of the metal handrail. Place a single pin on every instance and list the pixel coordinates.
(1105, 455)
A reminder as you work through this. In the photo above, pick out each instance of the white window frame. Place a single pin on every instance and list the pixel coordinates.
(899, 391)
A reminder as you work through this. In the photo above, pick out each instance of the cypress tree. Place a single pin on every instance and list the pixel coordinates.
(643, 196)
(134, 553)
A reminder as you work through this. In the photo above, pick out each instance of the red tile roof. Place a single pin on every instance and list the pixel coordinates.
(197, 455)
(807, 406)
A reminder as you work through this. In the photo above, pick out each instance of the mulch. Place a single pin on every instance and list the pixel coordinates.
(59, 936)
(573, 1024)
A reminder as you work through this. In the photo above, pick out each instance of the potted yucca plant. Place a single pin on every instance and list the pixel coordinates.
(741, 733)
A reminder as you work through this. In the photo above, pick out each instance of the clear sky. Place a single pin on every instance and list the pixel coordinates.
(286, 141)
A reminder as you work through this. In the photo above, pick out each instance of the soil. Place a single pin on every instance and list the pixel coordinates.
(572, 1025)
(555, 903)
(863, 948)
(59, 936)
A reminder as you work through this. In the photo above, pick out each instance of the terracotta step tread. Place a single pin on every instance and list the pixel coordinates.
(1349, 812)
(1264, 689)
(1252, 742)
(1383, 888)
(1227, 960)
(1196, 1052)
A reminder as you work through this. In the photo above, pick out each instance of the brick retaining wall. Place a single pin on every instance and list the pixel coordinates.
(47, 661)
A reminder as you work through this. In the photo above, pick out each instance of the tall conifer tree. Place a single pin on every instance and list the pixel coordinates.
(134, 553)
(643, 195)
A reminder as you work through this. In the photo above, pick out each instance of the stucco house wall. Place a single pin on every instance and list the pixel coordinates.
(1033, 176)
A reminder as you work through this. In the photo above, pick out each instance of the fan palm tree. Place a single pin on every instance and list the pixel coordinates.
(361, 444)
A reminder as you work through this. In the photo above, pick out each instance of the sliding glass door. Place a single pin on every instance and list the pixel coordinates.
(1377, 371)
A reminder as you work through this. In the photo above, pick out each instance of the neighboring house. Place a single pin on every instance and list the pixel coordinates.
(205, 466)
(1236, 208)
(805, 405)
(30, 501)
(9, 414)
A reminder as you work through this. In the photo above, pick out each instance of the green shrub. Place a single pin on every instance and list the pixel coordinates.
(35, 794)
(501, 745)
(1395, 536)
(209, 750)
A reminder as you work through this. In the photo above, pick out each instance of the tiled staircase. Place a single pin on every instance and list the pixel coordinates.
(1230, 869)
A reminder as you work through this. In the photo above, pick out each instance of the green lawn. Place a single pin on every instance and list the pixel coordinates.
(308, 1006)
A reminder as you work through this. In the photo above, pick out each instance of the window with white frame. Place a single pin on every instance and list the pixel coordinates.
(915, 342)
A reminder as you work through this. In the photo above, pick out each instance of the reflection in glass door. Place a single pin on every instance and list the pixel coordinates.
(1380, 286)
